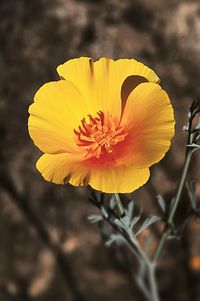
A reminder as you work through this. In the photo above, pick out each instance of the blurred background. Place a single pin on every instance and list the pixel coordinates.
(48, 249)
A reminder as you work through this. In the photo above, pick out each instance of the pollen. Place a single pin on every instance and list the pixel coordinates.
(99, 135)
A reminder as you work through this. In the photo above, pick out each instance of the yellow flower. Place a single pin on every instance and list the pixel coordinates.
(103, 124)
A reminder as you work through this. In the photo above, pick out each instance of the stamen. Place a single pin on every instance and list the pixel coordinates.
(99, 135)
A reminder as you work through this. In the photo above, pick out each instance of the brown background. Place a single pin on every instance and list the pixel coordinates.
(39, 222)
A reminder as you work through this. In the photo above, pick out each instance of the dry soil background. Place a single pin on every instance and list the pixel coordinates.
(66, 258)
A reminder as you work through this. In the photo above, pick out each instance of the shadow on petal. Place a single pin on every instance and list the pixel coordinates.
(130, 83)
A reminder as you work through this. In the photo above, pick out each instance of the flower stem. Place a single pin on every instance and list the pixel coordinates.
(173, 208)
(152, 293)
(151, 271)
(153, 283)
(151, 274)
(180, 187)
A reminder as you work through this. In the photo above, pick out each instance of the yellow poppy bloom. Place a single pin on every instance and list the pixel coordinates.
(102, 124)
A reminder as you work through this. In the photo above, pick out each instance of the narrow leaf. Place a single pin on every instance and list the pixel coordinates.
(130, 210)
(193, 145)
(134, 221)
(112, 202)
(161, 203)
(95, 218)
(104, 212)
(149, 221)
(126, 222)
(115, 238)
(119, 223)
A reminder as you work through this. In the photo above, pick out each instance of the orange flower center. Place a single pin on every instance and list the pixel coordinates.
(99, 135)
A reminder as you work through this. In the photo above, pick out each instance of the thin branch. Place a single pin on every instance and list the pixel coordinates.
(136, 250)
(194, 109)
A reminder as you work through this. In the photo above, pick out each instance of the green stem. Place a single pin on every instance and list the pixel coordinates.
(151, 272)
(180, 187)
(153, 283)
(138, 251)
(173, 208)
(119, 204)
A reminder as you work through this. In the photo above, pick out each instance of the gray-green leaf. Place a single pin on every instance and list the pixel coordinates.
(149, 221)
(134, 221)
(130, 209)
(95, 218)
(115, 238)
(161, 203)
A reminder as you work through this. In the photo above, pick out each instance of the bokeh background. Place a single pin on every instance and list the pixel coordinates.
(48, 249)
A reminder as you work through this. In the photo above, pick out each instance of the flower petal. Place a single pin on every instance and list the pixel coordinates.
(62, 168)
(56, 111)
(101, 82)
(79, 71)
(149, 118)
(66, 168)
(121, 179)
